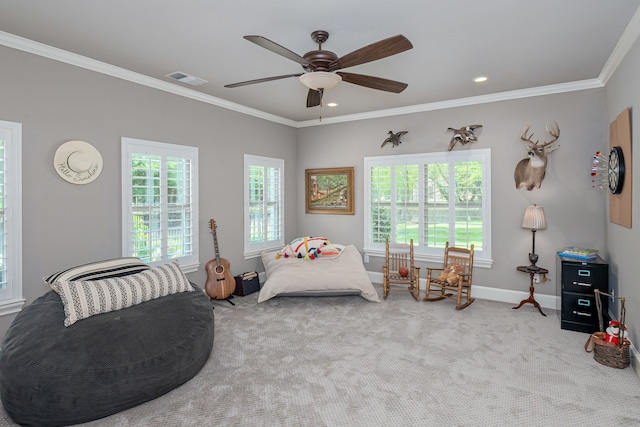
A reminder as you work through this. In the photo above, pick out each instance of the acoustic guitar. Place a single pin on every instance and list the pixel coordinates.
(220, 282)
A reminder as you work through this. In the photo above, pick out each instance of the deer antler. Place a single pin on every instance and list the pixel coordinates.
(524, 137)
(552, 129)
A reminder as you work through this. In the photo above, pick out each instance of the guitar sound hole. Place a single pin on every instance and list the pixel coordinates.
(219, 269)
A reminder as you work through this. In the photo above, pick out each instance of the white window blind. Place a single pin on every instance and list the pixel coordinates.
(263, 204)
(160, 208)
(11, 299)
(431, 198)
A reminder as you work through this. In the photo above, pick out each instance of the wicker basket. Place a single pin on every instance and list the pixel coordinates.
(604, 352)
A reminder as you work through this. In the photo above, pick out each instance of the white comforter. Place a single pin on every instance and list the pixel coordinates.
(317, 277)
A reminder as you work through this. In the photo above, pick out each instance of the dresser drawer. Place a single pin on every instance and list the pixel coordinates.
(581, 308)
(583, 278)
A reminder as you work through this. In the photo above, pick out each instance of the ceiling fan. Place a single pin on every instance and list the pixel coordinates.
(321, 66)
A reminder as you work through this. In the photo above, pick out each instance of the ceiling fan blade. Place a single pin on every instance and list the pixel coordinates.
(382, 49)
(266, 79)
(373, 82)
(276, 48)
(314, 98)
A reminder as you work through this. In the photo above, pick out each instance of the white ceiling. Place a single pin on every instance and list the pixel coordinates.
(520, 45)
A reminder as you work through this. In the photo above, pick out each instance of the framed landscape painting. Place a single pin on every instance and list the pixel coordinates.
(329, 191)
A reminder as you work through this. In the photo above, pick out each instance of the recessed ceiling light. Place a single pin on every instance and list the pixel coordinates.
(332, 104)
(480, 79)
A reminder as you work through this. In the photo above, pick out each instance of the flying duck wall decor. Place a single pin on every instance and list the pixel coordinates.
(394, 138)
(463, 135)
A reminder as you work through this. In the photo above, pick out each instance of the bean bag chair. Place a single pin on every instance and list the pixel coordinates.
(52, 374)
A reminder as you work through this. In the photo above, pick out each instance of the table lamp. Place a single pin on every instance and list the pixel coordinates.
(534, 220)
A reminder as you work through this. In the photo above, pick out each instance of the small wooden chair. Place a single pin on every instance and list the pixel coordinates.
(452, 255)
(400, 255)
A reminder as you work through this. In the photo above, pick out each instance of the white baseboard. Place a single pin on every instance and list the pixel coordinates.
(514, 297)
(510, 296)
(493, 294)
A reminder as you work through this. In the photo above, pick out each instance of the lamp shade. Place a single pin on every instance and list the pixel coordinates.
(320, 80)
(534, 218)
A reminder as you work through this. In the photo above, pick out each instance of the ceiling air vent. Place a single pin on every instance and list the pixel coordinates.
(186, 78)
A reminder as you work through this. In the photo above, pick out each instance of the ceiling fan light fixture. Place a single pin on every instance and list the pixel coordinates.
(320, 80)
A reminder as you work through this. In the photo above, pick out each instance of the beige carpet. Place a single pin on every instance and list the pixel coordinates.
(343, 361)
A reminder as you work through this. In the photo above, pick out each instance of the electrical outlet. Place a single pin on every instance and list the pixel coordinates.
(536, 278)
(366, 258)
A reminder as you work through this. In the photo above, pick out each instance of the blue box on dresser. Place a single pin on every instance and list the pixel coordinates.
(576, 281)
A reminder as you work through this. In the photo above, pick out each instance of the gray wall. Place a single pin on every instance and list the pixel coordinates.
(623, 91)
(575, 211)
(65, 224)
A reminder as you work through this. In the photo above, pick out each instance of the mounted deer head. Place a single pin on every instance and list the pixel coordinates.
(530, 172)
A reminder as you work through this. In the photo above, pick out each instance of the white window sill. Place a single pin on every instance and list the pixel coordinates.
(11, 306)
(438, 259)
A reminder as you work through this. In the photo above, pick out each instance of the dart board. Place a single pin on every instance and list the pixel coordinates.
(616, 170)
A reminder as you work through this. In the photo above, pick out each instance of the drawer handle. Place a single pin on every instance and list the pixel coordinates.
(582, 284)
(584, 273)
(584, 302)
(580, 313)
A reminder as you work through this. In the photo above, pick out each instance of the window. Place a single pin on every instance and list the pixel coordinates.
(263, 204)
(160, 202)
(431, 198)
(11, 300)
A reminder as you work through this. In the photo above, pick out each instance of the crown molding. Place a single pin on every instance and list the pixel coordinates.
(629, 37)
(461, 102)
(37, 48)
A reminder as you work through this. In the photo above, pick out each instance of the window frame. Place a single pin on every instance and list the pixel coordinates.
(131, 146)
(11, 298)
(251, 250)
(482, 257)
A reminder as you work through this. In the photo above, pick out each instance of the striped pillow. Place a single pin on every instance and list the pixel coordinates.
(108, 268)
(82, 299)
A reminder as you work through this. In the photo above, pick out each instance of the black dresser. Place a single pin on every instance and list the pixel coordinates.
(576, 281)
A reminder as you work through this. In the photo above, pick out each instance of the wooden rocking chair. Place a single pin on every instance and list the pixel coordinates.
(399, 255)
(452, 255)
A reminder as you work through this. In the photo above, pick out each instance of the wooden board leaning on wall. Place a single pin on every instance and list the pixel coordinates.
(620, 136)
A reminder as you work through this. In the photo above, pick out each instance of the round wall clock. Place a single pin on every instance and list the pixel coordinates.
(616, 170)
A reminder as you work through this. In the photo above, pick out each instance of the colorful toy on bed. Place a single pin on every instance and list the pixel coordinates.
(307, 248)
